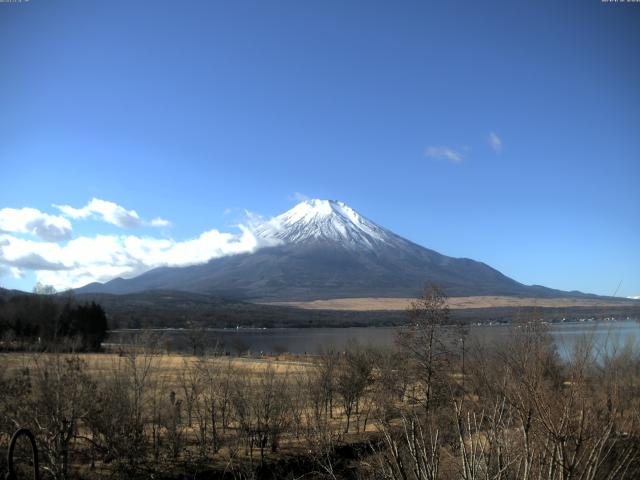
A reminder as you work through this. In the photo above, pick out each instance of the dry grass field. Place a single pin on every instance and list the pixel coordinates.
(455, 303)
(167, 366)
(269, 397)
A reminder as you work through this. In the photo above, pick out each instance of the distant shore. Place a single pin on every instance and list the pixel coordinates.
(455, 303)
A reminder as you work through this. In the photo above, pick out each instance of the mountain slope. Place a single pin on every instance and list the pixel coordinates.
(327, 250)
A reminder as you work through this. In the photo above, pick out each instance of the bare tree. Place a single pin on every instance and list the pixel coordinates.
(213, 401)
(391, 382)
(354, 374)
(325, 379)
(422, 341)
(59, 402)
(410, 453)
(190, 383)
(320, 436)
(120, 408)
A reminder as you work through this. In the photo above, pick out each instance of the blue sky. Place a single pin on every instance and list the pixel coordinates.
(194, 111)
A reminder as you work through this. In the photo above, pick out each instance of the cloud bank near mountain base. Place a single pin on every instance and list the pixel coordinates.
(31, 240)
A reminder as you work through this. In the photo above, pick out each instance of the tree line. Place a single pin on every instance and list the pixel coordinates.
(45, 321)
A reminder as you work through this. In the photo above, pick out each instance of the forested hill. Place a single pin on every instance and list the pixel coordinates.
(177, 309)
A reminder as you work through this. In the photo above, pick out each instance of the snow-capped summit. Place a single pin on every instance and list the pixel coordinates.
(325, 220)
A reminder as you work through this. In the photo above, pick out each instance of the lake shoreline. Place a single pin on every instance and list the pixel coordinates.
(310, 340)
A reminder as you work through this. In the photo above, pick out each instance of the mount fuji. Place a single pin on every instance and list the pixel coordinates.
(324, 249)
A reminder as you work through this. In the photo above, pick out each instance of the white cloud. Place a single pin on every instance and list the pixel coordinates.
(300, 197)
(101, 258)
(444, 153)
(34, 222)
(160, 222)
(104, 257)
(106, 211)
(109, 212)
(495, 142)
(16, 272)
(35, 261)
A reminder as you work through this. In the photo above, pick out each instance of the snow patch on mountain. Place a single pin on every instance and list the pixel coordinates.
(325, 221)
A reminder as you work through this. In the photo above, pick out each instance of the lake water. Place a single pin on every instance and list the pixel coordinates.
(605, 335)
